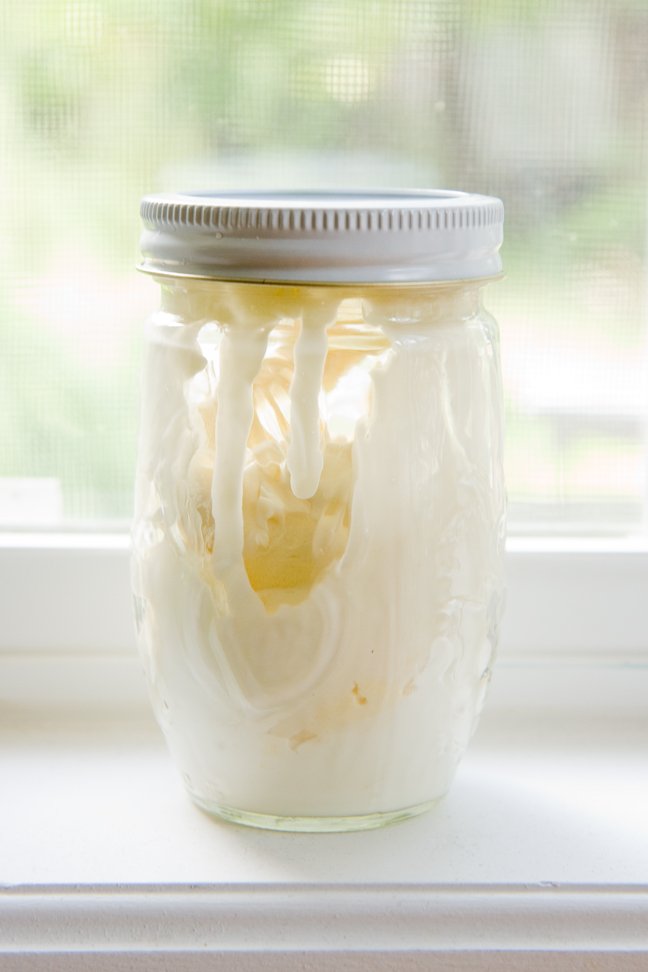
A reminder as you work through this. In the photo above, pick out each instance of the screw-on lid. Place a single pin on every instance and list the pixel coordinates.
(396, 236)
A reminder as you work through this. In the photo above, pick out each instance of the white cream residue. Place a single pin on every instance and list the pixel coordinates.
(241, 352)
(319, 587)
(305, 460)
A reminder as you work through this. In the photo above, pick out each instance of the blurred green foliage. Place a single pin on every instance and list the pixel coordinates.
(541, 102)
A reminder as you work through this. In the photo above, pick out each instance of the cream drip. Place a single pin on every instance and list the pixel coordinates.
(241, 353)
(305, 460)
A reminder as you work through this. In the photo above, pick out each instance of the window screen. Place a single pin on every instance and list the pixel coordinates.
(542, 103)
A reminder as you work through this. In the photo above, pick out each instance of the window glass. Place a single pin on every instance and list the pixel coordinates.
(542, 103)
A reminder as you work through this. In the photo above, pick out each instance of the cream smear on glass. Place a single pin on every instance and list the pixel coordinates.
(318, 540)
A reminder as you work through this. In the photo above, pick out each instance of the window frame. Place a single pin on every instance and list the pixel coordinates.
(68, 659)
(69, 594)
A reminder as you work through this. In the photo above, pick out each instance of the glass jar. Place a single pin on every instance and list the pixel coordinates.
(320, 509)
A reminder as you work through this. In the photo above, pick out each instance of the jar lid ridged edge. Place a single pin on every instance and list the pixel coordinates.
(424, 213)
(390, 236)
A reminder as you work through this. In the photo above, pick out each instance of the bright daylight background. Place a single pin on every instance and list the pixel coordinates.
(542, 103)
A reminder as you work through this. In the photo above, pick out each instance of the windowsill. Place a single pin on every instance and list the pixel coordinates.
(541, 847)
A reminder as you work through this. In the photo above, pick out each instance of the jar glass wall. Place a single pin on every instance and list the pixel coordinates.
(318, 542)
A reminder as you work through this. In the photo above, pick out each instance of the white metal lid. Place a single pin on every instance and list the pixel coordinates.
(396, 236)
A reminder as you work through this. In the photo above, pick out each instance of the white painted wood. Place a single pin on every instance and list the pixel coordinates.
(65, 593)
(207, 961)
(101, 686)
(71, 592)
(583, 597)
(549, 791)
(537, 859)
(331, 962)
(305, 922)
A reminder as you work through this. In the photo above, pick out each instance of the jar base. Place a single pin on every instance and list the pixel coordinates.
(311, 825)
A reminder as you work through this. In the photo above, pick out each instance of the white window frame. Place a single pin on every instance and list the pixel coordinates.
(566, 598)
(576, 609)
(68, 644)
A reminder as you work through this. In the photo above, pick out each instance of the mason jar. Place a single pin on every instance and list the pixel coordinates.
(320, 508)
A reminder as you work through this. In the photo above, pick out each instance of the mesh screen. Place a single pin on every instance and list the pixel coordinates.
(542, 103)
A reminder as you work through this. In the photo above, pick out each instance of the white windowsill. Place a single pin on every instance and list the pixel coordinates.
(537, 859)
